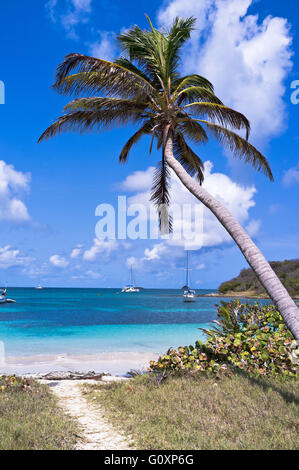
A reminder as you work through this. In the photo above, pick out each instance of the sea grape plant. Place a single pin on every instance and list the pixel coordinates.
(247, 337)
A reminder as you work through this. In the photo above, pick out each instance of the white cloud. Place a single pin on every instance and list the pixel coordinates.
(13, 183)
(59, 261)
(89, 275)
(155, 252)
(139, 180)
(100, 247)
(247, 59)
(105, 48)
(237, 198)
(76, 251)
(291, 176)
(36, 270)
(10, 257)
(253, 227)
(133, 261)
(78, 11)
(50, 8)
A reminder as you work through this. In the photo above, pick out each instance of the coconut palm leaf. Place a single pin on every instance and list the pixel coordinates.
(99, 76)
(144, 130)
(108, 104)
(90, 121)
(191, 81)
(224, 115)
(240, 148)
(160, 195)
(187, 158)
(195, 93)
(193, 130)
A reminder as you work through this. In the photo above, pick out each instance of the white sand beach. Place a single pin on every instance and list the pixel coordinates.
(114, 363)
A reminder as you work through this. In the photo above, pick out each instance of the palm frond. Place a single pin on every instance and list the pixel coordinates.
(195, 93)
(160, 196)
(144, 130)
(193, 130)
(108, 104)
(224, 115)
(99, 76)
(178, 34)
(187, 158)
(89, 121)
(143, 48)
(128, 65)
(240, 148)
(190, 81)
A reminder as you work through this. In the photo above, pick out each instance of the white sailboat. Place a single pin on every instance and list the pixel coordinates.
(131, 288)
(189, 294)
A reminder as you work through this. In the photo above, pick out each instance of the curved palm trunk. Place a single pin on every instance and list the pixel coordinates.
(253, 255)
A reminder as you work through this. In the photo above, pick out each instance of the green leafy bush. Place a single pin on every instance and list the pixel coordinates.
(246, 337)
(13, 383)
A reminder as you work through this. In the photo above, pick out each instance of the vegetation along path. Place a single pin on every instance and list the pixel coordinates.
(97, 432)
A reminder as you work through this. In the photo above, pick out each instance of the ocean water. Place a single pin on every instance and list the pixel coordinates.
(80, 322)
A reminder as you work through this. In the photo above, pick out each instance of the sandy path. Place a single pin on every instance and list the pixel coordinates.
(97, 432)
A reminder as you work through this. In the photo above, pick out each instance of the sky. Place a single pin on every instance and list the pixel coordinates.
(49, 192)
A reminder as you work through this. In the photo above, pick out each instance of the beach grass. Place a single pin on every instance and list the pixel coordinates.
(191, 413)
(30, 418)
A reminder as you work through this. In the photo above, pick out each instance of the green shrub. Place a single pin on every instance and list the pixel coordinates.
(13, 383)
(246, 337)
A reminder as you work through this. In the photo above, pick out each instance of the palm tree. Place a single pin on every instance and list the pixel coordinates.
(144, 87)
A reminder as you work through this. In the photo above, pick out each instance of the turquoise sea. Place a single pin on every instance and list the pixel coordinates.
(74, 323)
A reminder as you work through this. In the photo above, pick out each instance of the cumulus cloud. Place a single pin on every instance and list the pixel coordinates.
(291, 176)
(12, 184)
(245, 57)
(139, 180)
(105, 48)
(10, 257)
(150, 254)
(155, 252)
(237, 198)
(76, 251)
(59, 261)
(100, 247)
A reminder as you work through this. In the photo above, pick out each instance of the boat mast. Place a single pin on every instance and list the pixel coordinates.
(188, 279)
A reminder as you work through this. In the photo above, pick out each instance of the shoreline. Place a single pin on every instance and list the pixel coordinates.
(241, 295)
(114, 363)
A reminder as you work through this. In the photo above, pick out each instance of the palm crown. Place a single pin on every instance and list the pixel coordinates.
(144, 87)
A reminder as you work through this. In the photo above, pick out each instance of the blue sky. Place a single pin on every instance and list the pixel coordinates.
(49, 192)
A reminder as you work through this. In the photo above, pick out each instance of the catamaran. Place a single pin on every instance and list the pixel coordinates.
(189, 294)
(131, 288)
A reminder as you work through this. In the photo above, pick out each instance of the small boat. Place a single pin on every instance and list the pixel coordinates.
(131, 288)
(189, 294)
(39, 287)
(4, 299)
